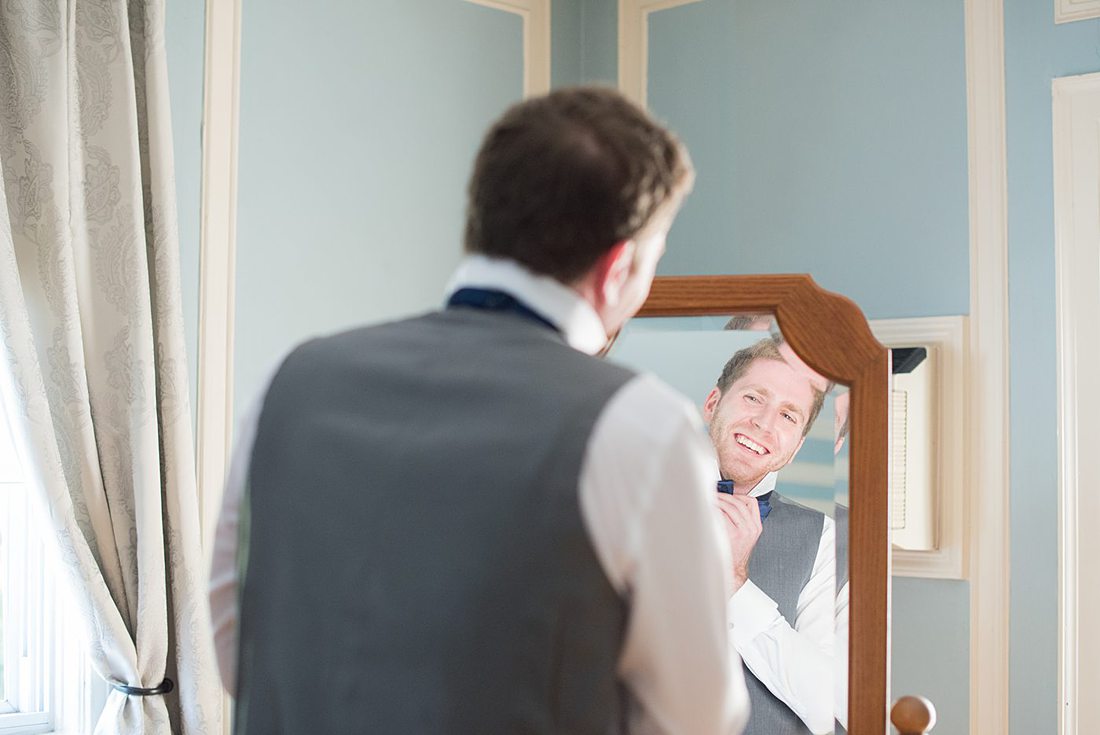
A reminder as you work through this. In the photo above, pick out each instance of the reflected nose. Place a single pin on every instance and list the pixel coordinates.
(764, 420)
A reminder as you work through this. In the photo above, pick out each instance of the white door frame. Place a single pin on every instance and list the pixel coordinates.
(1076, 117)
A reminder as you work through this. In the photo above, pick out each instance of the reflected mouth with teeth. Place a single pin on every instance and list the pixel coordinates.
(750, 445)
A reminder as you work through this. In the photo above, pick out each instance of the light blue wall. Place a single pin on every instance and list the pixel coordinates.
(566, 34)
(830, 138)
(183, 30)
(359, 123)
(584, 43)
(930, 649)
(600, 45)
(1036, 51)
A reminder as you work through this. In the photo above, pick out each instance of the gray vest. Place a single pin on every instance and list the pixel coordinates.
(417, 560)
(780, 566)
(841, 519)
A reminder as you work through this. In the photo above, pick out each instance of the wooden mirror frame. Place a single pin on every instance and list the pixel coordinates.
(830, 333)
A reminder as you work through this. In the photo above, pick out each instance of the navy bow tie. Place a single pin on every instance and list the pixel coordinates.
(764, 501)
(488, 299)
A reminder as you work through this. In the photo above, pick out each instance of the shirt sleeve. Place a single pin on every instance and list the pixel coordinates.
(841, 688)
(647, 498)
(795, 662)
(224, 570)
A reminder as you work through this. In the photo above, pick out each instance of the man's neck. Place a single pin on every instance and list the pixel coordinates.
(559, 303)
(761, 486)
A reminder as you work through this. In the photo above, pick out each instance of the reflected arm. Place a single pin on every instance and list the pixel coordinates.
(840, 681)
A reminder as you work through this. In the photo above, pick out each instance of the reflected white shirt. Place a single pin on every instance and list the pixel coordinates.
(793, 659)
(647, 498)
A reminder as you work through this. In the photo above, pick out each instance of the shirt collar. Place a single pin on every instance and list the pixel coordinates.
(559, 304)
(766, 485)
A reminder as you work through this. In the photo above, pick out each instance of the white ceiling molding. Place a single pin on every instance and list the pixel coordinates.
(536, 40)
(634, 44)
(989, 360)
(1066, 11)
(945, 340)
(1076, 119)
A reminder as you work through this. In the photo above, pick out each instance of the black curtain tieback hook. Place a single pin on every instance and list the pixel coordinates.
(165, 686)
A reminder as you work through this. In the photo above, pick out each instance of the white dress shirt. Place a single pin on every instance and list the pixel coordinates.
(793, 659)
(840, 682)
(647, 499)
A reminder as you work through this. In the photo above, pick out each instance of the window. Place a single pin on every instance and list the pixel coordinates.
(46, 682)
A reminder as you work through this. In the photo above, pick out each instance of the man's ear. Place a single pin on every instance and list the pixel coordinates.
(612, 270)
(710, 405)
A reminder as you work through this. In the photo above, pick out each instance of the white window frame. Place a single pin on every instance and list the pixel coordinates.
(25, 645)
(49, 685)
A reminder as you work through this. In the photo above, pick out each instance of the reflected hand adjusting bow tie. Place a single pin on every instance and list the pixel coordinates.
(763, 501)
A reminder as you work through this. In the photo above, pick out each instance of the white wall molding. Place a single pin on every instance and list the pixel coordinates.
(634, 44)
(217, 259)
(989, 360)
(536, 40)
(217, 251)
(1066, 11)
(1076, 117)
(945, 338)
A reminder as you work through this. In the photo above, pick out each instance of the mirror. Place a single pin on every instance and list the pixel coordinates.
(793, 390)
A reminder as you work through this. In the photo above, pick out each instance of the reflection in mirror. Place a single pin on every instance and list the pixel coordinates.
(780, 435)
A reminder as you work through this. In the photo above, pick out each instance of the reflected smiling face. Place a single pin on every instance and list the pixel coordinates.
(758, 425)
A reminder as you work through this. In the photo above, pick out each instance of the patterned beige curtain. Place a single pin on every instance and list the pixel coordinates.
(91, 327)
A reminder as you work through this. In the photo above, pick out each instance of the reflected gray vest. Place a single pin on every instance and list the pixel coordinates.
(417, 560)
(780, 566)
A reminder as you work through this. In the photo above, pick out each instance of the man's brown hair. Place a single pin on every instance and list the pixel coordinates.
(765, 349)
(562, 178)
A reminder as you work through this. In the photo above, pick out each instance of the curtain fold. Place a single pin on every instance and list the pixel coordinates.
(91, 324)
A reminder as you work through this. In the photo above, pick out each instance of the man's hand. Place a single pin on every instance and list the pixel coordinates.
(741, 522)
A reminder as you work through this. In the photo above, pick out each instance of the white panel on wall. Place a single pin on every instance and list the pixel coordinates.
(1077, 232)
(1070, 10)
(947, 466)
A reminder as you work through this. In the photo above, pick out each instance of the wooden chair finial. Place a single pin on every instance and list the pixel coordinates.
(913, 716)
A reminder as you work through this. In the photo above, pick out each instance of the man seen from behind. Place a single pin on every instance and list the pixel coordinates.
(464, 522)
